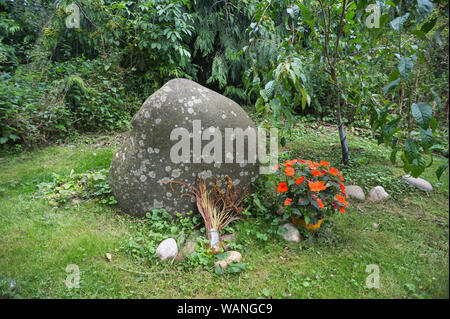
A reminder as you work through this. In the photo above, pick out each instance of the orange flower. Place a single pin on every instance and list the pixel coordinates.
(300, 180)
(316, 172)
(290, 163)
(282, 187)
(275, 167)
(333, 171)
(320, 203)
(340, 177)
(317, 186)
(312, 165)
(341, 209)
(323, 163)
(289, 171)
(341, 199)
(288, 201)
(343, 189)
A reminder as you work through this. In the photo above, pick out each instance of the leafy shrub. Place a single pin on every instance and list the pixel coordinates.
(79, 95)
(77, 186)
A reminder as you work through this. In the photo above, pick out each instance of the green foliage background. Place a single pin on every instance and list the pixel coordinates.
(57, 82)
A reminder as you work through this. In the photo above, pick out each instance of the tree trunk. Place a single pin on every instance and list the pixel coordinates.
(342, 136)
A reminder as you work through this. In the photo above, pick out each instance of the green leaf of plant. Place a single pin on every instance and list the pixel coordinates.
(418, 165)
(424, 8)
(307, 219)
(411, 149)
(219, 270)
(428, 26)
(422, 113)
(420, 34)
(276, 106)
(405, 66)
(396, 24)
(235, 267)
(433, 124)
(390, 128)
(393, 156)
(441, 170)
(269, 88)
(427, 138)
(222, 256)
(394, 75)
(388, 87)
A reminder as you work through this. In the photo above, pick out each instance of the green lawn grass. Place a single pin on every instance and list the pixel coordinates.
(410, 244)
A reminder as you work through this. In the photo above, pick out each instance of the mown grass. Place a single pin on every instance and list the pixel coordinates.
(410, 243)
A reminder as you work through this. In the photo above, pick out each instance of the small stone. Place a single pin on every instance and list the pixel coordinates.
(108, 256)
(354, 191)
(221, 263)
(167, 249)
(292, 235)
(12, 284)
(229, 237)
(377, 193)
(188, 248)
(232, 256)
(419, 183)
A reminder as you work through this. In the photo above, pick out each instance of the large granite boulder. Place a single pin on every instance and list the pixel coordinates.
(150, 156)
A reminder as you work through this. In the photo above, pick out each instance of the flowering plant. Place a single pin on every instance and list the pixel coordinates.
(310, 190)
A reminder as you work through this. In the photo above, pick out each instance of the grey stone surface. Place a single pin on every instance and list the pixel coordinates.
(420, 183)
(188, 248)
(377, 193)
(228, 237)
(142, 166)
(292, 235)
(354, 191)
(167, 249)
(232, 256)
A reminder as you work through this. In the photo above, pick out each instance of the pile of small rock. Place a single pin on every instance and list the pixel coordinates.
(378, 193)
(168, 250)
